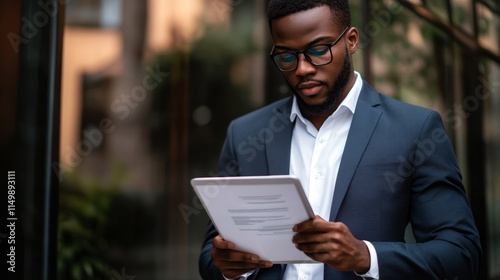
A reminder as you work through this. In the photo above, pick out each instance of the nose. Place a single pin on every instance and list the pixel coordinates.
(304, 67)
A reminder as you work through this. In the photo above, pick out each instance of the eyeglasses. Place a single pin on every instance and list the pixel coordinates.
(317, 55)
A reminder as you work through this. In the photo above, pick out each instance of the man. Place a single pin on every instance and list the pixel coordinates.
(369, 165)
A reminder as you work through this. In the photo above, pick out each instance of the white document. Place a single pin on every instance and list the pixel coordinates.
(257, 213)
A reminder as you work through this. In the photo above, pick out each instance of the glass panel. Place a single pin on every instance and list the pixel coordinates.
(30, 95)
(403, 62)
(438, 7)
(490, 80)
(493, 4)
(489, 29)
(356, 14)
(140, 118)
(463, 15)
(94, 13)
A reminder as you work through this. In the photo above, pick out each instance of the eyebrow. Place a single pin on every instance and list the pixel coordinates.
(310, 44)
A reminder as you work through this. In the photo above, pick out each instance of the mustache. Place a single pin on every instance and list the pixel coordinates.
(308, 81)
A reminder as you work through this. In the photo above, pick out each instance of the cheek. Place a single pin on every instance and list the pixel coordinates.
(291, 79)
(328, 75)
(331, 73)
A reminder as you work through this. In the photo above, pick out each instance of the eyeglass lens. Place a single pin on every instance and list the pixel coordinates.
(317, 55)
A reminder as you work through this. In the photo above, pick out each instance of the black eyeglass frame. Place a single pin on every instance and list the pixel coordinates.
(296, 53)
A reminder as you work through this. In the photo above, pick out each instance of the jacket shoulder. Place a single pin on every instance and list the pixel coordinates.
(405, 112)
(278, 110)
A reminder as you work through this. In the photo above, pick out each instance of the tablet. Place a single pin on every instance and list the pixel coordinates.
(257, 213)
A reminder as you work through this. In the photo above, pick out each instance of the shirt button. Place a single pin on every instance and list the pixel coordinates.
(317, 177)
(321, 140)
(304, 277)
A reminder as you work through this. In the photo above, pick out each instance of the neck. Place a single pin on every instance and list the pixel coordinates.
(319, 119)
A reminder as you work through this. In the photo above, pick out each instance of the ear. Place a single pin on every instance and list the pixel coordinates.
(352, 39)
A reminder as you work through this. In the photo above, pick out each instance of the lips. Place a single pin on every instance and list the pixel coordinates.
(309, 88)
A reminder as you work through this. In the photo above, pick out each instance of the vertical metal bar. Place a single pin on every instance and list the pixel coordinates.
(475, 25)
(476, 149)
(178, 164)
(37, 136)
(449, 12)
(476, 156)
(51, 189)
(365, 17)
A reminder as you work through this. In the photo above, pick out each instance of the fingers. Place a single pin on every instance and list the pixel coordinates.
(220, 243)
(331, 243)
(318, 235)
(224, 250)
(235, 256)
(316, 247)
(318, 224)
(318, 238)
(233, 268)
(233, 263)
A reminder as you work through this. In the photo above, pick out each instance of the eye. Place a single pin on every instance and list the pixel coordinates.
(287, 57)
(317, 50)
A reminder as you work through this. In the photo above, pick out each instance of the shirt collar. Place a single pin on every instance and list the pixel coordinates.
(349, 101)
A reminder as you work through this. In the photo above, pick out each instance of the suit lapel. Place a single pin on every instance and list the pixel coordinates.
(278, 148)
(363, 124)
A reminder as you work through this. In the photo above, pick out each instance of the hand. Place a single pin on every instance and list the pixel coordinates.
(333, 244)
(234, 263)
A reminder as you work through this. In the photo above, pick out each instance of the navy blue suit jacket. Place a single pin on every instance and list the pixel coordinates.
(398, 167)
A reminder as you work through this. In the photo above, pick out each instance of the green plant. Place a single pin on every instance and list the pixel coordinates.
(84, 205)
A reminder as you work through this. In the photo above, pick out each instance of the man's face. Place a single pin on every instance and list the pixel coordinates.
(319, 88)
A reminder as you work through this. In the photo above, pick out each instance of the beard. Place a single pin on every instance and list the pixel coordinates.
(334, 93)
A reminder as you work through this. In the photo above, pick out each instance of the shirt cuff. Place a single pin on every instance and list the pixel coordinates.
(373, 272)
(242, 277)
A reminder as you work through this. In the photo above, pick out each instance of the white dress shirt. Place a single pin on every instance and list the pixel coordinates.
(315, 159)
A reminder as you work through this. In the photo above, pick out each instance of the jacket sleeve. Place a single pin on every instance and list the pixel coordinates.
(206, 266)
(229, 165)
(447, 242)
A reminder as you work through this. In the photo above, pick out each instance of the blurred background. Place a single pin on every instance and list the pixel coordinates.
(109, 107)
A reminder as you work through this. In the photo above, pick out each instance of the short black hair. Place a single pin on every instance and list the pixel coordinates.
(341, 12)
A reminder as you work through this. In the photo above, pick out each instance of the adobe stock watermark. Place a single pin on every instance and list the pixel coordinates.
(209, 192)
(31, 26)
(425, 148)
(122, 107)
(381, 19)
(248, 150)
(123, 276)
(457, 115)
(462, 111)
(257, 142)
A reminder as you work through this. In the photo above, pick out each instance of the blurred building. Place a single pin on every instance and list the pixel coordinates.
(94, 62)
(110, 73)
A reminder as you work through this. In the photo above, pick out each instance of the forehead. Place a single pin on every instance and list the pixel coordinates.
(299, 29)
